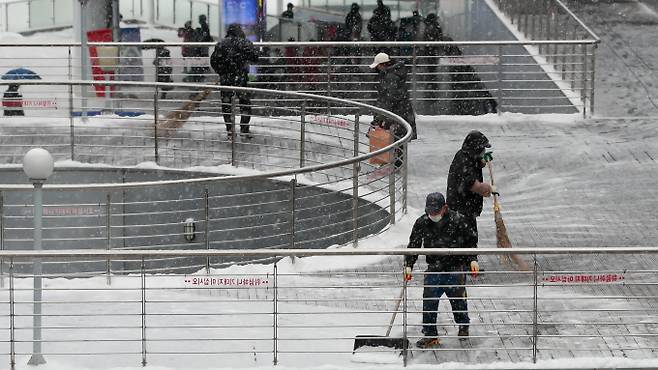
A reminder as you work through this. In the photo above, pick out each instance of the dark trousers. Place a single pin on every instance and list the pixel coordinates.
(432, 294)
(244, 101)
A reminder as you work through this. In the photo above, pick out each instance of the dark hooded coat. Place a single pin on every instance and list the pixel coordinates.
(393, 94)
(466, 168)
(354, 21)
(450, 232)
(231, 57)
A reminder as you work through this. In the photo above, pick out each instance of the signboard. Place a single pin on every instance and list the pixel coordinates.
(130, 68)
(250, 14)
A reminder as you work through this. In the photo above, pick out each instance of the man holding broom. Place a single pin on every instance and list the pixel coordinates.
(442, 227)
(466, 187)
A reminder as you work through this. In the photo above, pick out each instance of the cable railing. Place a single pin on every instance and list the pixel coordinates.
(466, 77)
(147, 181)
(572, 303)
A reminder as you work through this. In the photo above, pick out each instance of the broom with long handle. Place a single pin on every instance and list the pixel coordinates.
(502, 240)
(177, 118)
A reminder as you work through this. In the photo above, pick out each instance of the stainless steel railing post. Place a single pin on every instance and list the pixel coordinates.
(143, 315)
(275, 314)
(414, 78)
(71, 121)
(108, 232)
(355, 183)
(2, 238)
(592, 77)
(405, 173)
(293, 186)
(391, 186)
(302, 134)
(499, 82)
(584, 77)
(206, 230)
(234, 106)
(572, 57)
(156, 153)
(12, 317)
(535, 329)
(405, 334)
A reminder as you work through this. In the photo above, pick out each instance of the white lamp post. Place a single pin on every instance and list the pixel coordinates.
(38, 166)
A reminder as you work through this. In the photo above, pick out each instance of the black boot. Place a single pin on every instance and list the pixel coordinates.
(463, 332)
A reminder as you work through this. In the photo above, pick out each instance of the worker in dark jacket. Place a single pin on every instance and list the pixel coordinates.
(466, 187)
(12, 101)
(441, 227)
(230, 60)
(392, 93)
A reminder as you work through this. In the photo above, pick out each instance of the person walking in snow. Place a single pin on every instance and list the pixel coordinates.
(466, 187)
(393, 94)
(442, 227)
(230, 60)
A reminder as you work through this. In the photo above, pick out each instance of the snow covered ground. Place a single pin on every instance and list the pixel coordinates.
(565, 182)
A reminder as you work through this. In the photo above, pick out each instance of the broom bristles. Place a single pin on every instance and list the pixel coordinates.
(502, 241)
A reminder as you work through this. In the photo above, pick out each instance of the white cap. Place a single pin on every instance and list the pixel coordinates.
(379, 59)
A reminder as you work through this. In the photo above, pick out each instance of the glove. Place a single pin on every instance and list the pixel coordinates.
(475, 269)
(407, 273)
(487, 156)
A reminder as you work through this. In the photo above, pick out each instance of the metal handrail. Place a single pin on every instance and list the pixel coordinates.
(272, 174)
(100, 253)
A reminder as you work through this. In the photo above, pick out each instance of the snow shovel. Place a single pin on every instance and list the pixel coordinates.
(383, 341)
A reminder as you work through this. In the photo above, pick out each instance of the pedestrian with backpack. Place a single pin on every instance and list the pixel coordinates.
(230, 60)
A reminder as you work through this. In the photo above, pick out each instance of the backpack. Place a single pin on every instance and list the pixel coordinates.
(226, 58)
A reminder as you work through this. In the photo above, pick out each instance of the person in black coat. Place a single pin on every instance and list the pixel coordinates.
(354, 22)
(381, 27)
(441, 227)
(12, 101)
(163, 69)
(393, 94)
(466, 187)
(230, 60)
(288, 14)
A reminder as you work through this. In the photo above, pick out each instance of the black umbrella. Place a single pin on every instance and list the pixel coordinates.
(148, 47)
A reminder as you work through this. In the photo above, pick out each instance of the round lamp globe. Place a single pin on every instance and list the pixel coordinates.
(38, 164)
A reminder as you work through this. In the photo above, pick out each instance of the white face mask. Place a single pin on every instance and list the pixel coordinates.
(435, 218)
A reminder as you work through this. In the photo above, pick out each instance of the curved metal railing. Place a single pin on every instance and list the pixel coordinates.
(305, 178)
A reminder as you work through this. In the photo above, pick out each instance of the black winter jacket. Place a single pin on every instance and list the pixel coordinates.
(450, 232)
(392, 90)
(464, 171)
(232, 55)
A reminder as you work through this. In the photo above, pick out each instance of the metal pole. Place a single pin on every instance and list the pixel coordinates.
(12, 317)
(6, 17)
(29, 14)
(143, 273)
(293, 185)
(405, 340)
(499, 90)
(84, 53)
(108, 228)
(275, 318)
(355, 184)
(548, 47)
(391, 188)
(413, 76)
(583, 91)
(591, 83)
(405, 172)
(572, 57)
(174, 12)
(532, 20)
(37, 357)
(71, 122)
(329, 80)
(2, 238)
(206, 231)
(156, 113)
(302, 134)
(233, 108)
(535, 330)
